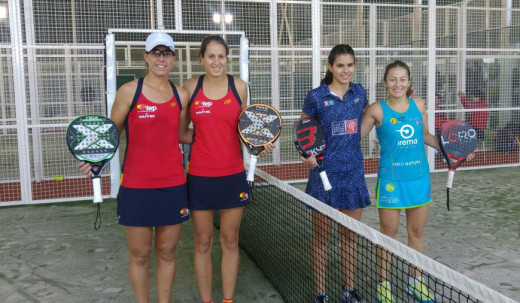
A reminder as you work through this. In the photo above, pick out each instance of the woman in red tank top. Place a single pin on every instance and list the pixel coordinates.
(216, 176)
(152, 198)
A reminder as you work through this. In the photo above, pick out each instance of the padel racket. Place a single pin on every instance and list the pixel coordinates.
(93, 139)
(309, 139)
(457, 140)
(258, 124)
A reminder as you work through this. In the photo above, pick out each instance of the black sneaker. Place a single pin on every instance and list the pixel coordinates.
(351, 296)
(321, 298)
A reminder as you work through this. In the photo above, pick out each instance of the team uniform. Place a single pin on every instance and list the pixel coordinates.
(343, 158)
(403, 175)
(153, 185)
(216, 175)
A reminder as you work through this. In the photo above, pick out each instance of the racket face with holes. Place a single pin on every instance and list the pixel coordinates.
(258, 125)
(309, 137)
(92, 138)
(457, 140)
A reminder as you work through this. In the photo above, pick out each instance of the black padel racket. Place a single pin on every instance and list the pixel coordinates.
(93, 139)
(309, 139)
(258, 125)
(457, 140)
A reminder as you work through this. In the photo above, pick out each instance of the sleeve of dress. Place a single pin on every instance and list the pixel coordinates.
(309, 105)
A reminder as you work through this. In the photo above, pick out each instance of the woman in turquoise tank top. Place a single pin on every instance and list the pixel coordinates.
(403, 177)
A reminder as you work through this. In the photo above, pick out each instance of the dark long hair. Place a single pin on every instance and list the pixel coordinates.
(399, 63)
(340, 49)
(208, 40)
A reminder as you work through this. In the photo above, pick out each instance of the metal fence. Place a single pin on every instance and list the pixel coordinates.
(52, 58)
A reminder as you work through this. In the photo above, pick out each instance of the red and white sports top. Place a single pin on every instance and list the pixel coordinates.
(216, 149)
(153, 158)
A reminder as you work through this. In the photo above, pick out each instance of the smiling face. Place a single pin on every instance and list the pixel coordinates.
(160, 60)
(214, 59)
(397, 82)
(343, 68)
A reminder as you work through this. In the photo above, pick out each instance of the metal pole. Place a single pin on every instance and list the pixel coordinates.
(111, 74)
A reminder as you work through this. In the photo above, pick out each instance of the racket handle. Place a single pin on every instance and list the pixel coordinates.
(251, 170)
(449, 183)
(96, 183)
(325, 180)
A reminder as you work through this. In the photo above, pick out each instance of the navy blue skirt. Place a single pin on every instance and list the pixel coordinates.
(211, 193)
(152, 206)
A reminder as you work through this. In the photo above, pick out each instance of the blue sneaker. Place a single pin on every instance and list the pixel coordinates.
(321, 298)
(351, 296)
(420, 291)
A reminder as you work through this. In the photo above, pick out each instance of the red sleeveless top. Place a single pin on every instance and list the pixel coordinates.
(153, 158)
(216, 149)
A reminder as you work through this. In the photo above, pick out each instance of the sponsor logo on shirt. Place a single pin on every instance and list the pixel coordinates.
(146, 108)
(356, 100)
(407, 163)
(227, 101)
(173, 104)
(393, 120)
(202, 107)
(203, 103)
(145, 111)
(351, 126)
(344, 127)
(328, 103)
(406, 131)
(390, 187)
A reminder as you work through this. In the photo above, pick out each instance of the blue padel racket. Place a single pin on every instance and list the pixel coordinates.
(457, 140)
(309, 139)
(258, 125)
(93, 139)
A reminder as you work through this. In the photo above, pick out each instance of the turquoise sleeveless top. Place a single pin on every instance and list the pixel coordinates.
(400, 135)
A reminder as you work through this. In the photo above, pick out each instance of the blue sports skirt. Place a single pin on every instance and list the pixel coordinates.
(211, 193)
(349, 189)
(152, 206)
(403, 194)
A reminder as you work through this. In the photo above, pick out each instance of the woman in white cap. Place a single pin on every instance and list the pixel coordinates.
(152, 196)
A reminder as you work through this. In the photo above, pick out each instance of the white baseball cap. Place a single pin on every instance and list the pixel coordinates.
(159, 38)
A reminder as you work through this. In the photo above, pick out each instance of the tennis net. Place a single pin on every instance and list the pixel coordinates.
(277, 232)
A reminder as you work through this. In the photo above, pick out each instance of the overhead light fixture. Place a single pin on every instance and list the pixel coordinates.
(3, 12)
(228, 18)
(216, 18)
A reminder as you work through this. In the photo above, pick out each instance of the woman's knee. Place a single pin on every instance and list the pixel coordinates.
(389, 230)
(166, 252)
(229, 241)
(416, 232)
(140, 256)
(203, 242)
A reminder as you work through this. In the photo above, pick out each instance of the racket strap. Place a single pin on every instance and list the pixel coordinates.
(448, 198)
(251, 191)
(97, 222)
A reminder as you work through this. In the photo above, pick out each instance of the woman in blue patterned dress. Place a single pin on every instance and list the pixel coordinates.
(338, 105)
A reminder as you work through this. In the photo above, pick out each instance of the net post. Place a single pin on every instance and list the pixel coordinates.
(110, 52)
(244, 60)
(432, 61)
(244, 75)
